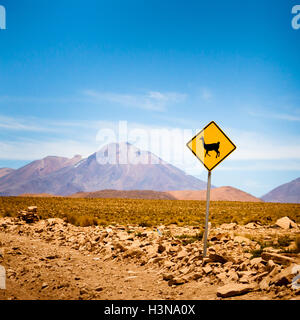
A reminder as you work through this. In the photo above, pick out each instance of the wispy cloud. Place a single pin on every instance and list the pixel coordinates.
(258, 146)
(152, 100)
(278, 116)
(15, 124)
(206, 94)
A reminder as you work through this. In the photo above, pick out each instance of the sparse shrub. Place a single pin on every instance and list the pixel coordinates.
(256, 253)
(8, 213)
(71, 219)
(149, 213)
(102, 222)
(284, 241)
(86, 221)
(187, 239)
(297, 242)
(138, 234)
(145, 224)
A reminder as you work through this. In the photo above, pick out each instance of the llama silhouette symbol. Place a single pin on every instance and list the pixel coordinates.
(211, 147)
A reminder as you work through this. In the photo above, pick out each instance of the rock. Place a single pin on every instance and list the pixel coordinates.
(233, 275)
(168, 264)
(286, 223)
(168, 276)
(222, 276)
(228, 265)
(218, 258)
(259, 277)
(230, 290)
(284, 277)
(181, 254)
(207, 269)
(196, 276)
(228, 226)
(243, 266)
(241, 240)
(99, 289)
(32, 209)
(157, 259)
(265, 283)
(133, 252)
(270, 265)
(176, 281)
(161, 248)
(120, 246)
(28, 217)
(277, 258)
(255, 261)
(44, 285)
(251, 225)
(52, 257)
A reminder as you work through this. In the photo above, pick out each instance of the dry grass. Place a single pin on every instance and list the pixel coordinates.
(150, 212)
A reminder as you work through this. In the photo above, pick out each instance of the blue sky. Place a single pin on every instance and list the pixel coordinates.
(71, 68)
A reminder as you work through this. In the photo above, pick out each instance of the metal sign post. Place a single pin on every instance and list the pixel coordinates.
(207, 213)
(211, 146)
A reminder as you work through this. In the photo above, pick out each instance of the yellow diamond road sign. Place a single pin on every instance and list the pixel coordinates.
(211, 146)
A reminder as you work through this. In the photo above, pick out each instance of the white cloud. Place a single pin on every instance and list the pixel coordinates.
(206, 94)
(34, 149)
(258, 146)
(278, 116)
(9, 123)
(152, 100)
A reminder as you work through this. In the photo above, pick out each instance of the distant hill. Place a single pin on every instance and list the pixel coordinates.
(102, 170)
(5, 171)
(38, 195)
(286, 193)
(130, 194)
(25, 179)
(216, 194)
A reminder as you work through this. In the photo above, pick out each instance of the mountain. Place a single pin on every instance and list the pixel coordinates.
(116, 166)
(125, 194)
(216, 194)
(17, 181)
(5, 171)
(38, 195)
(286, 193)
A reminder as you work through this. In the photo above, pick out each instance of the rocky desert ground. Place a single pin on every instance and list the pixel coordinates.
(52, 259)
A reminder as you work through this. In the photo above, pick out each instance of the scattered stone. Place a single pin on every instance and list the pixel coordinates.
(28, 217)
(255, 261)
(241, 240)
(217, 258)
(277, 258)
(168, 276)
(182, 254)
(32, 209)
(161, 248)
(228, 226)
(284, 277)
(286, 223)
(233, 275)
(133, 252)
(222, 276)
(176, 281)
(207, 269)
(44, 285)
(270, 265)
(99, 289)
(230, 290)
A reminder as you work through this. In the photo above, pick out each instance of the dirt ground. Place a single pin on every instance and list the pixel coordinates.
(41, 270)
